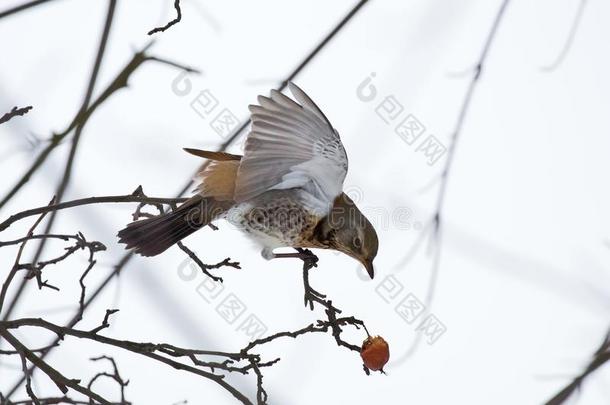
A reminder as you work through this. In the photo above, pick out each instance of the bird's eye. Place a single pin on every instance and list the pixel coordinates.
(357, 242)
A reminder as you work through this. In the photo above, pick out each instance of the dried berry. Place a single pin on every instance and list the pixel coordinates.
(375, 353)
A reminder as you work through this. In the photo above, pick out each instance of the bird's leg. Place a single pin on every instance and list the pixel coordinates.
(310, 260)
(306, 255)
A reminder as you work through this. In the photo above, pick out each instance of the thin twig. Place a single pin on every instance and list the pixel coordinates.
(11, 275)
(206, 267)
(55, 400)
(116, 376)
(80, 243)
(600, 357)
(22, 7)
(62, 382)
(105, 323)
(125, 198)
(13, 352)
(570, 39)
(41, 236)
(172, 22)
(14, 113)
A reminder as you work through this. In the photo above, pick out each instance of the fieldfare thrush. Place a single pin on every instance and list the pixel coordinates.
(285, 191)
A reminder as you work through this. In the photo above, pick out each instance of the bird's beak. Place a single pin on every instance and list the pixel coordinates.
(368, 265)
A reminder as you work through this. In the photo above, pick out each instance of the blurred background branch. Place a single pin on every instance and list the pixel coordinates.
(434, 226)
(600, 357)
(569, 40)
(22, 7)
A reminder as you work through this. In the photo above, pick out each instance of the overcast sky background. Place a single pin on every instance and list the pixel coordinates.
(524, 282)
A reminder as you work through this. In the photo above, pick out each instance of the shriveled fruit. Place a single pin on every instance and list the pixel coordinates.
(375, 353)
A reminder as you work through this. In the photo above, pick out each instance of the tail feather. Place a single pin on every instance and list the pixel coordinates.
(152, 236)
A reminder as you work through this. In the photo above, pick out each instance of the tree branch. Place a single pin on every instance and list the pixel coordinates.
(600, 357)
(14, 113)
(172, 22)
(22, 7)
(11, 274)
(59, 379)
(128, 198)
(206, 267)
(570, 39)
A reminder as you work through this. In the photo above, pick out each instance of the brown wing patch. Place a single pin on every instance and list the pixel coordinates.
(218, 179)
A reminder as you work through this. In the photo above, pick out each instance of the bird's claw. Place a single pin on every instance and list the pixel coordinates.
(308, 257)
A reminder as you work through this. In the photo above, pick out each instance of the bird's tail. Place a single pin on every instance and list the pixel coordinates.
(152, 236)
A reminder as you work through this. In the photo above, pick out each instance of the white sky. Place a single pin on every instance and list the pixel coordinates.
(523, 288)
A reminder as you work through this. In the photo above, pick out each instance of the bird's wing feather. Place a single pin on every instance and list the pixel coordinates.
(291, 145)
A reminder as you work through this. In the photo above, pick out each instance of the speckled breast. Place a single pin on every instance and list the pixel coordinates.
(275, 219)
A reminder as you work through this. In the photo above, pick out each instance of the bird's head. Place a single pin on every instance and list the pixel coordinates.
(349, 231)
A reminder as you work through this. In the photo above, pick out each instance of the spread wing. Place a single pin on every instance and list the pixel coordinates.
(291, 145)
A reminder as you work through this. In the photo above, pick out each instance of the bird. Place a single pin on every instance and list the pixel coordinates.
(285, 191)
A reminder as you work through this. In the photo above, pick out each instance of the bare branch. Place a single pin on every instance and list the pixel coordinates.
(601, 356)
(22, 7)
(15, 268)
(28, 377)
(165, 352)
(41, 236)
(105, 322)
(116, 376)
(568, 43)
(205, 267)
(35, 268)
(126, 198)
(56, 400)
(12, 352)
(233, 361)
(145, 349)
(62, 382)
(172, 22)
(14, 113)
